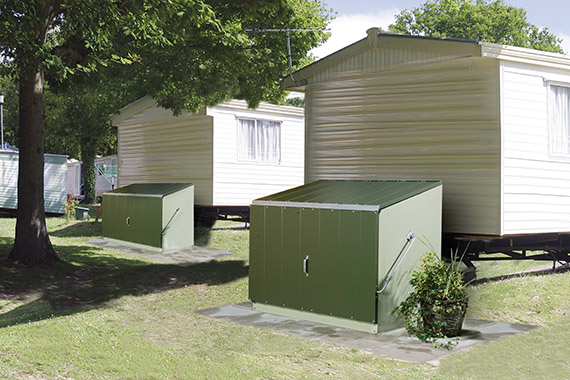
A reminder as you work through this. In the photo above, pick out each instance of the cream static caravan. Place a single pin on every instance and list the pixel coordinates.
(232, 154)
(491, 121)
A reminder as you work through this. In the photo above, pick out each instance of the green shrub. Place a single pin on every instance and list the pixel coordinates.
(438, 294)
(70, 208)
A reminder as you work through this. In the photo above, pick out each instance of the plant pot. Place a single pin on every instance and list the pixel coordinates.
(447, 318)
(81, 213)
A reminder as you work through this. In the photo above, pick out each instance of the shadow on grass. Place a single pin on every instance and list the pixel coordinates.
(92, 229)
(89, 278)
(528, 273)
(83, 229)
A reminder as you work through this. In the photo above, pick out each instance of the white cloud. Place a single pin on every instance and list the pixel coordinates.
(347, 29)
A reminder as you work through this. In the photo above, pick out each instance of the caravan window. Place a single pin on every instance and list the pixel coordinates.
(559, 120)
(259, 140)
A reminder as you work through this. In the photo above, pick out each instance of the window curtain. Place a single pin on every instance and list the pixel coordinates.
(559, 120)
(259, 140)
(269, 143)
(246, 139)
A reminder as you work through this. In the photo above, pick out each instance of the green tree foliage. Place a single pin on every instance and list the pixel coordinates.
(295, 102)
(478, 20)
(78, 121)
(184, 53)
(207, 68)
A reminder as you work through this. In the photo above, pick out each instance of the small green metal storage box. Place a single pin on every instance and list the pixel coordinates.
(342, 252)
(155, 215)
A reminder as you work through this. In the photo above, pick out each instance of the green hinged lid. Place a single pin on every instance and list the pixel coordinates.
(370, 195)
(149, 189)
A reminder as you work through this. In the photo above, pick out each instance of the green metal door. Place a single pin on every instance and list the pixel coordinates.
(311, 263)
(257, 256)
(145, 221)
(114, 215)
(133, 218)
(316, 260)
(339, 251)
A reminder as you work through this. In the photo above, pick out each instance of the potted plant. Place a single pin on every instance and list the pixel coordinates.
(436, 307)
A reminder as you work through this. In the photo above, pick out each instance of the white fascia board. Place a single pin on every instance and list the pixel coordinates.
(262, 107)
(524, 55)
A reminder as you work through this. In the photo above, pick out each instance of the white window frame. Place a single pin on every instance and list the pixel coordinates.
(263, 154)
(558, 122)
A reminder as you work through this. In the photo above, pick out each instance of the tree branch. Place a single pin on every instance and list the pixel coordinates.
(67, 51)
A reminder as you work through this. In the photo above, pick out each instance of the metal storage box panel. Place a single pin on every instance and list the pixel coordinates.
(158, 215)
(322, 251)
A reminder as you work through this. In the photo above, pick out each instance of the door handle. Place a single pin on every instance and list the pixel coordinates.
(306, 266)
(128, 221)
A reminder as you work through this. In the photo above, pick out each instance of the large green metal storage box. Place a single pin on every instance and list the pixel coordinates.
(342, 252)
(155, 215)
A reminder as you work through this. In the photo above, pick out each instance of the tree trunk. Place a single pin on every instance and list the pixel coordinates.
(32, 245)
(88, 154)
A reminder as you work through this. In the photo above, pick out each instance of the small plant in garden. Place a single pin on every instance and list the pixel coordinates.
(70, 205)
(437, 305)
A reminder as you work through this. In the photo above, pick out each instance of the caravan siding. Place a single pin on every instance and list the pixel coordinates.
(55, 182)
(155, 147)
(74, 178)
(391, 53)
(536, 184)
(433, 121)
(9, 180)
(240, 182)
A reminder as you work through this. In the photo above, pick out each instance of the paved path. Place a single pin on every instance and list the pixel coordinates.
(181, 257)
(395, 344)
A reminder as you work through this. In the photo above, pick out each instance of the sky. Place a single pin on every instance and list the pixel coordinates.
(354, 17)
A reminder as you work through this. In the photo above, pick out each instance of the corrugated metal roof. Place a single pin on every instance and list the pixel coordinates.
(368, 195)
(150, 189)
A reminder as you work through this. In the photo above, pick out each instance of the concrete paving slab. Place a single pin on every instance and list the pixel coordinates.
(395, 344)
(182, 257)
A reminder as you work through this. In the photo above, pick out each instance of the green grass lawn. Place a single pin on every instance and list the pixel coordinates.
(107, 315)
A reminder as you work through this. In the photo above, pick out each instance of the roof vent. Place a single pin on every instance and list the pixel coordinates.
(373, 37)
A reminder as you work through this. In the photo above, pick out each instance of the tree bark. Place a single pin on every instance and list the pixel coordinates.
(88, 153)
(32, 245)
